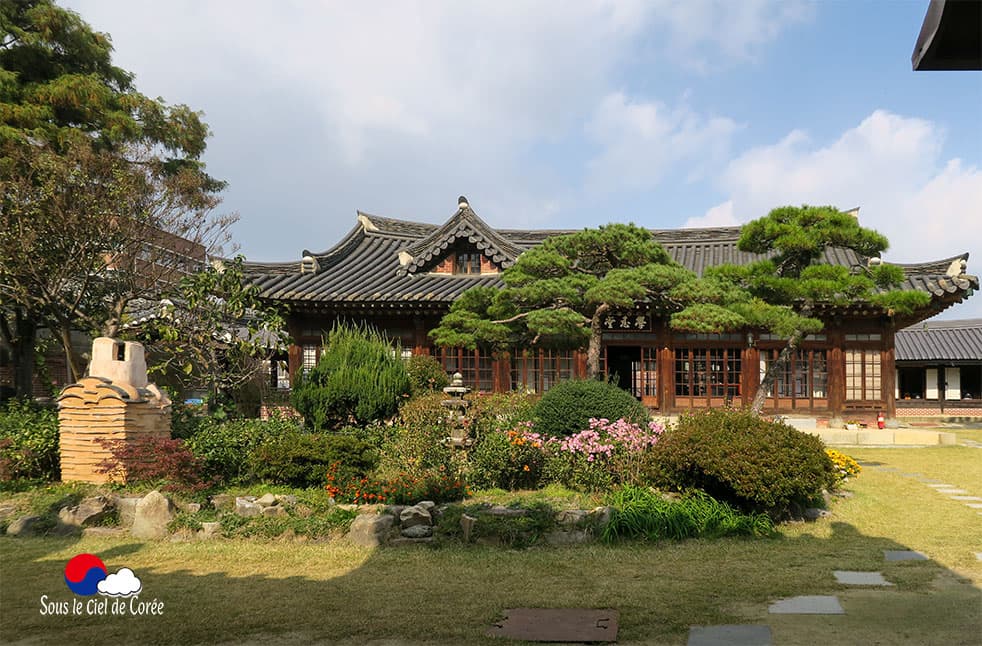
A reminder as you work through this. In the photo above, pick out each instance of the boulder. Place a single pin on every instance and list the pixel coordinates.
(210, 530)
(274, 512)
(25, 526)
(88, 512)
(153, 513)
(428, 505)
(267, 501)
(247, 508)
(415, 515)
(395, 510)
(506, 512)
(814, 513)
(370, 530)
(192, 507)
(572, 518)
(222, 501)
(126, 510)
(417, 531)
(289, 499)
(601, 516)
(467, 526)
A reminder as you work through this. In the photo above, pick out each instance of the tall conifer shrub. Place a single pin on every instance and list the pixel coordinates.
(359, 378)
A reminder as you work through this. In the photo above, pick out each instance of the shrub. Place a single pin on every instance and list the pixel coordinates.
(640, 513)
(28, 441)
(844, 466)
(416, 450)
(424, 411)
(501, 411)
(426, 374)
(224, 447)
(357, 380)
(740, 458)
(154, 462)
(605, 454)
(507, 460)
(302, 459)
(567, 407)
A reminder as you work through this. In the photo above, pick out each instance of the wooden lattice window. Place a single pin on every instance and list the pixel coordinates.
(863, 375)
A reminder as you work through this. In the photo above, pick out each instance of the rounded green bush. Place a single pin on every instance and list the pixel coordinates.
(303, 459)
(743, 459)
(224, 447)
(567, 407)
(28, 441)
(426, 374)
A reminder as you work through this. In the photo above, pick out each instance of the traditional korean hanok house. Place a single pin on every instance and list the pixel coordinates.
(402, 277)
(939, 369)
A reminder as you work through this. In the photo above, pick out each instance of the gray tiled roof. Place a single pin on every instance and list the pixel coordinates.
(941, 341)
(386, 261)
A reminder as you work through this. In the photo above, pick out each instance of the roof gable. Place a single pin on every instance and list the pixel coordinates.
(463, 227)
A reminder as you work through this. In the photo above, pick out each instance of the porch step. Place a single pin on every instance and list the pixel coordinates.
(884, 437)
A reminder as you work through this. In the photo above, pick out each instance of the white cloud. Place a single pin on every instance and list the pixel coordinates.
(642, 141)
(720, 215)
(121, 584)
(890, 166)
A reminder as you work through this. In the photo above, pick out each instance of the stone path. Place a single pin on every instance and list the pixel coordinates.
(760, 635)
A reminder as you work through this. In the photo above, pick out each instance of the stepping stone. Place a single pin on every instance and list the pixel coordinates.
(903, 555)
(931, 482)
(807, 605)
(557, 625)
(949, 492)
(860, 578)
(967, 498)
(730, 635)
(941, 486)
(978, 556)
(975, 505)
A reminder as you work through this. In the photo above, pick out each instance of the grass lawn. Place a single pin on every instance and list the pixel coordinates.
(283, 592)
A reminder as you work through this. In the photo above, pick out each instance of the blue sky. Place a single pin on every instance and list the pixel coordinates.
(566, 114)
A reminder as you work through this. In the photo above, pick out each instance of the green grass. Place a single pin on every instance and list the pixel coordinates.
(279, 592)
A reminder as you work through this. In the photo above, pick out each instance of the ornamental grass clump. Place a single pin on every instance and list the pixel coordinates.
(644, 514)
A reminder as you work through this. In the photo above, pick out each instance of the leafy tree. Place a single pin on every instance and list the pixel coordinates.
(562, 290)
(93, 177)
(786, 293)
(214, 332)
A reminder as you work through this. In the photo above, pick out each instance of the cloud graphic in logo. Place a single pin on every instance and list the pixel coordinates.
(122, 584)
(84, 573)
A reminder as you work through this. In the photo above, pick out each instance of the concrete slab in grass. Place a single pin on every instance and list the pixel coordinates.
(730, 635)
(903, 555)
(941, 486)
(557, 625)
(967, 498)
(978, 556)
(807, 605)
(952, 492)
(975, 505)
(846, 577)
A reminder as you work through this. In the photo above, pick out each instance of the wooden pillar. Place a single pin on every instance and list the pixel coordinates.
(837, 375)
(666, 378)
(294, 351)
(420, 340)
(888, 377)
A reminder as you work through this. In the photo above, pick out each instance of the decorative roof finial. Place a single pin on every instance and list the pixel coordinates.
(462, 202)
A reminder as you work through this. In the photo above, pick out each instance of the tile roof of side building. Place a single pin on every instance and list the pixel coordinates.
(386, 260)
(941, 341)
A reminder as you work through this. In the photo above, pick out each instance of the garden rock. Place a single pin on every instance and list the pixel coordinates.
(370, 531)
(572, 517)
(601, 516)
(428, 505)
(247, 508)
(274, 512)
(288, 499)
(814, 513)
(210, 530)
(153, 513)
(267, 501)
(88, 512)
(415, 515)
(126, 510)
(501, 511)
(467, 526)
(395, 510)
(25, 526)
(418, 531)
(222, 501)
(192, 507)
